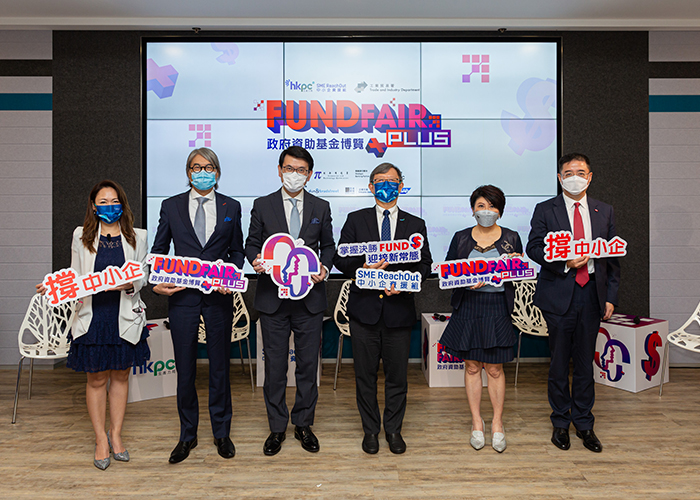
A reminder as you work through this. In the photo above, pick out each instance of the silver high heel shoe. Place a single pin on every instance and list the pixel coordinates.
(498, 441)
(120, 457)
(103, 463)
(477, 438)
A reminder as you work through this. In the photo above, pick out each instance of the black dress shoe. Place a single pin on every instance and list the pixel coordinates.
(182, 451)
(560, 438)
(273, 443)
(308, 441)
(396, 443)
(370, 444)
(590, 440)
(225, 447)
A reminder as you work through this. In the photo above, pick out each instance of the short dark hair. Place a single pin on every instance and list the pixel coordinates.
(492, 194)
(299, 153)
(383, 168)
(574, 156)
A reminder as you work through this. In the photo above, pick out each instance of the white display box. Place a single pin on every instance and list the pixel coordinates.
(440, 368)
(158, 377)
(628, 355)
(291, 360)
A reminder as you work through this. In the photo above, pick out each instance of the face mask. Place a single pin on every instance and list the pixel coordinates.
(203, 180)
(109, 213)
(574, 185)
(386, 191)
(486, 218)
(293, 181)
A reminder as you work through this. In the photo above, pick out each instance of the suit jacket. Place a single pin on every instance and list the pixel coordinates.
(267, 218)
(225, 243)
(555, 288)
(132, 310)
(367, 306)
(462, 245)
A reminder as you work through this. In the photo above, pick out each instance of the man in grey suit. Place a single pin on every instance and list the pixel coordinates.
(291, 210)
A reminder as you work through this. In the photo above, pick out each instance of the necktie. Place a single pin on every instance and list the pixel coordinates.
(200, 221)
(581, 272)
(386, 227)
(294, 223)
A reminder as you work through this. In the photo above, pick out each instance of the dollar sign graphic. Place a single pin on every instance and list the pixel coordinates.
(536, 130)
(651, 366)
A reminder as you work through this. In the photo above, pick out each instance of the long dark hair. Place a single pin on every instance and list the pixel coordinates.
(91, 224)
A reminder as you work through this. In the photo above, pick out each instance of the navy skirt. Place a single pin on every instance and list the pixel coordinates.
(480, 329)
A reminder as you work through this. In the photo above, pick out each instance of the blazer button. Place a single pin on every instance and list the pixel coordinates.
(381, 295)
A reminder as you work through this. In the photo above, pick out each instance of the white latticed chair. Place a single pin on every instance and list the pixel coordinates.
(682, 339)
(526, 317)
(340, 317)
(48, 327)
(238, 333)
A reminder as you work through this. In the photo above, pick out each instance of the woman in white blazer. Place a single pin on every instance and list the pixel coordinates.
(109, 330)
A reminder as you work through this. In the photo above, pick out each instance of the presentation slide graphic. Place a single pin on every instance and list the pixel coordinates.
(452, 116)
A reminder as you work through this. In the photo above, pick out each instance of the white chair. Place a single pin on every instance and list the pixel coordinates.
(682, 339)
(340, 317)
(49, 327)
(238, 333)
(526, 317)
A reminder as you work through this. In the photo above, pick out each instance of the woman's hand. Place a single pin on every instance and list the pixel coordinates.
(477, 286)
(125, 286)
(40, 289)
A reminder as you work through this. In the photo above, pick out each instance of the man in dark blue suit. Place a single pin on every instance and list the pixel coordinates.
(204, 224)
(291, 210)
(574, 296)
(381, 320)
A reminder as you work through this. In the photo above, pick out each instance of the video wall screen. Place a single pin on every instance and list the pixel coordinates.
(451, 115)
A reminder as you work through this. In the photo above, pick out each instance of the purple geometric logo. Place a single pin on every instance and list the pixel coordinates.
(479, 66)
(160, 79)
(230, 52)
(537, 129)
(203, 131)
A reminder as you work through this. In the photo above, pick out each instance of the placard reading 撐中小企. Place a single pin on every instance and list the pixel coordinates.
(561, 246)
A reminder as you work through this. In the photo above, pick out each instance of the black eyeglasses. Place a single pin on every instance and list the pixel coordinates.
(209, 168)
(288, 169)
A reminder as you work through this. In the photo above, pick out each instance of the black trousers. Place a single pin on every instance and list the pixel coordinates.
(370, 344)
(276, 328)
(184, 329)
(573, 336)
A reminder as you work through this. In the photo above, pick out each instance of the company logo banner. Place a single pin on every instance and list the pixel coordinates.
(290, 264)
(560, 245)
(191, 272)
(470, 272)
(65, 285)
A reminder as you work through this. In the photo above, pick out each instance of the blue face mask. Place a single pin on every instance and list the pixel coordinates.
(203, 180)
(109, 213)
(386, 191)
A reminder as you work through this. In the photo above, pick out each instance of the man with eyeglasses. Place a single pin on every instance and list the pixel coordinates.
(573, 297)
(293, 210)
(381, 320)
(205, 224)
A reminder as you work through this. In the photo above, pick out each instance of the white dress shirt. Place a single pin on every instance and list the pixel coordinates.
(585, 218)
(393, 217)
(288, 205)
(209, 210)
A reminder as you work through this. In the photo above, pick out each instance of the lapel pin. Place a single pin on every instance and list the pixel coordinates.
(595, 209)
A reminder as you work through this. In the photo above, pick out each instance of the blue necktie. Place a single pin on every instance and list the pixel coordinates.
(294, 223)
(200, 221)
(386, 227)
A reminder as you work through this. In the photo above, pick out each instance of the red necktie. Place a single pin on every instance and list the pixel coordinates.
(579, 234)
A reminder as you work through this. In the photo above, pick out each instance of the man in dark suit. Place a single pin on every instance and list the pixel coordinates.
(204, 224)
(381, 321)
(291, 210)
(574, 296)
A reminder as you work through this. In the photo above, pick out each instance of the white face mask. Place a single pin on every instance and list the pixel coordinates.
(575, 185)
(486, 218)
(293, 181)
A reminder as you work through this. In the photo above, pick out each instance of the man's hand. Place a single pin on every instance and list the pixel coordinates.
(167, 289)
(578, 262)
(382, 264)
(317, 278)
(224, 291)
(40, 289)
(257, 266)
(609, 308)
(393, 291)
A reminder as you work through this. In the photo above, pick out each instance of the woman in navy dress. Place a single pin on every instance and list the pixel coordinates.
(480, 330)
(109, 330)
